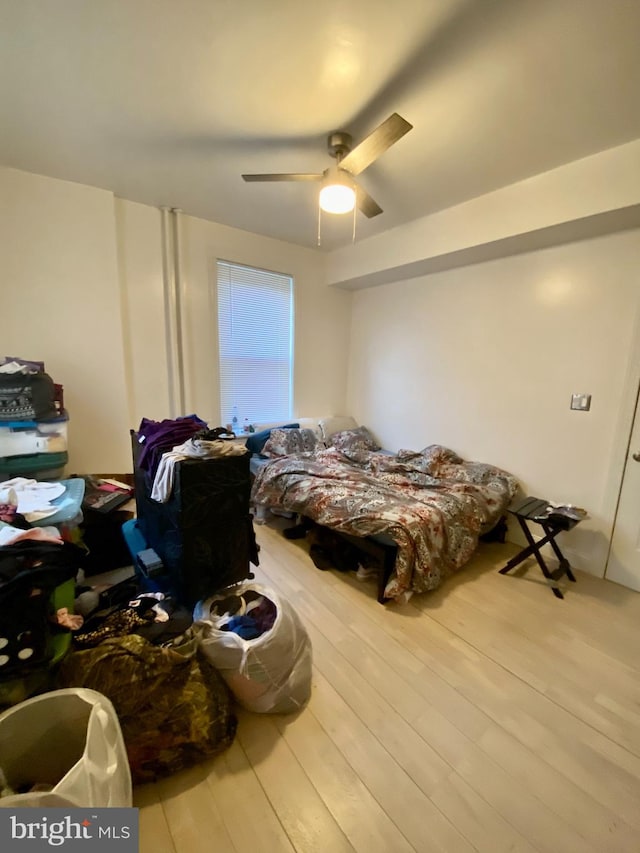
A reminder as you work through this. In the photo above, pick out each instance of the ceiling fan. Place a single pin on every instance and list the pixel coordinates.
(340, 192)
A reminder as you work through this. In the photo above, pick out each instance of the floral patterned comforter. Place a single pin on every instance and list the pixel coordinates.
(432, 503)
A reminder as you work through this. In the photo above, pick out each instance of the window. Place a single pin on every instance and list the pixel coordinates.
(255, 329)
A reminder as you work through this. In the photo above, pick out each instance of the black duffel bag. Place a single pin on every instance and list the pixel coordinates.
(27, 397)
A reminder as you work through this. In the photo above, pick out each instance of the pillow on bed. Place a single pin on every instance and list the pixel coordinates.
(285, 442)
(257, 441)
(351, 440)
(338, 423)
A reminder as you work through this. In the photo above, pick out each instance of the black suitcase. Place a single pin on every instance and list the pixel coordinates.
(204, 533)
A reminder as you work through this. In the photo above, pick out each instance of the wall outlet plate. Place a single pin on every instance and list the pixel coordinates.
(581, 402)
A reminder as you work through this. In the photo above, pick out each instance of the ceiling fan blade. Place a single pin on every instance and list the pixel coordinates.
(382, 138)
(366, 204)
(292, 177)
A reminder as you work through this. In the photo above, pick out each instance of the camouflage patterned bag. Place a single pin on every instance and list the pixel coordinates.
(173, 706)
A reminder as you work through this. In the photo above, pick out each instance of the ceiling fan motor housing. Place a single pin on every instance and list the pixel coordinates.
(349, 163)
(339, 144)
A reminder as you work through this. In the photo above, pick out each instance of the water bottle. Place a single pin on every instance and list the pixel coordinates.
(235, 423)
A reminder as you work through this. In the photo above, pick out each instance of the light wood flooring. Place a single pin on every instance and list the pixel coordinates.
(487, 715)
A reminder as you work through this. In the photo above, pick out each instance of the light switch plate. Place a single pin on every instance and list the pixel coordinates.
(581, 402)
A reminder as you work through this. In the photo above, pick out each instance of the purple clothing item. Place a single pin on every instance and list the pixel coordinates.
(264, 615)
(148, 427)
(8, 512)
(162, 436)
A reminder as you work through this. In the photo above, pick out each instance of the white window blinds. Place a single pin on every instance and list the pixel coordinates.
(255, 330)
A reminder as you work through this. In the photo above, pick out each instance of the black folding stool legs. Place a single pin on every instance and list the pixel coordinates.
(533, 548)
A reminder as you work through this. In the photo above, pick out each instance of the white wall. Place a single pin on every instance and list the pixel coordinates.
(322, 317)
(61, 305)
(484, 359)
(567, 203)
(83, 291)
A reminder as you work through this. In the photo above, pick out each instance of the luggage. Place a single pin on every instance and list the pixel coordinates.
(203, 534)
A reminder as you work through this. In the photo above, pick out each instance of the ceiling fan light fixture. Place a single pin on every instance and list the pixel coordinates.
(337, 194)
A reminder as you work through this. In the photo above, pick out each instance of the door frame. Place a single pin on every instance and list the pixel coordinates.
(623, 431)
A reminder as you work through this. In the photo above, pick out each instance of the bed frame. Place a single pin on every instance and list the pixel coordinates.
(384, 554)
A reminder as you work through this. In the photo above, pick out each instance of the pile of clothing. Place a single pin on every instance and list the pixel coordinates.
(138, 649)
(116, 611)
(25, 500)
(248, 615)
(166, 442)
(258, 643)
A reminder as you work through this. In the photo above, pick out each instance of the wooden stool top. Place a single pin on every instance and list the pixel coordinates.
(534, 509)
(542, 512)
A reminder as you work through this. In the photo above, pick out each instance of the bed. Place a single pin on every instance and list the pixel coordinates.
(425, 509)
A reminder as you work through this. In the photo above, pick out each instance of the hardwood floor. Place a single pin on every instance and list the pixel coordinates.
(487, 715)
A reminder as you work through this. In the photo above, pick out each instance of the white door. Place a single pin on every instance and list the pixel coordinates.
(624, 560)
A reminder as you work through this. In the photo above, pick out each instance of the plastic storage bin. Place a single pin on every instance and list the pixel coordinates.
(69, 740)
(38, 466)
(24, 438)
(36, 449)
(69, 504)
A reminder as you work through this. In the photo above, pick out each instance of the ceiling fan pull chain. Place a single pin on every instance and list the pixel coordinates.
(319, 222)
(353, 235)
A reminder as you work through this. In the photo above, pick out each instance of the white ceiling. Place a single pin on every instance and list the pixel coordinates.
(167, 102)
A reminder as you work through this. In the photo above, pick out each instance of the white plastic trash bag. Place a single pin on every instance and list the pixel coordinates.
(270, 674)
(69, 741)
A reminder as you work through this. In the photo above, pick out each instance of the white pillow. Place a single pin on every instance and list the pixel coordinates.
(338, 423)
